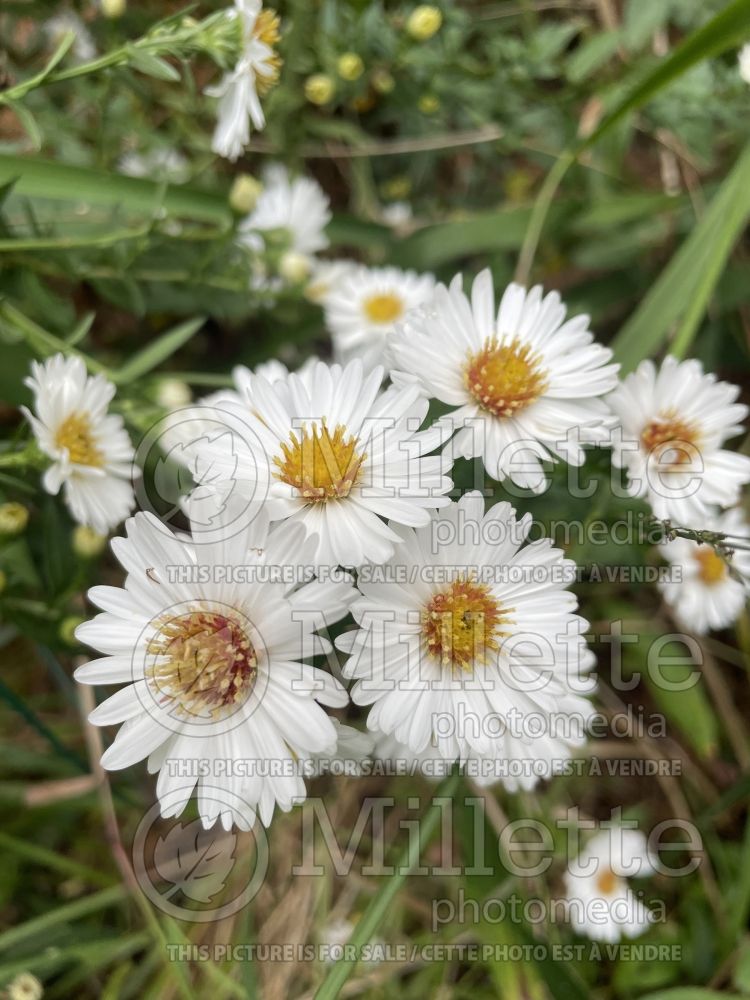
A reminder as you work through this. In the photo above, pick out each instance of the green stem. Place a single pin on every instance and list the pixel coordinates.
(29, 456)
(62, 915)
(383, 899)
(44, 342)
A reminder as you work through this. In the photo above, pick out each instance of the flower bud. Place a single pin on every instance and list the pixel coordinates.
(67, 629)
(171, 393)
(382, 81)
(428, 104)
(113, 8)
(13, 518)
(319, 88)
(350, 66)
(294, 267)
(87, 543)
(424, 21)
(24, 986)
(244, 193)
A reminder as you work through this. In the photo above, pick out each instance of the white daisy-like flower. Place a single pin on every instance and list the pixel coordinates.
(298, 205)
(469, 642)
(337, 454)
(743, 61)
(90, 449)
(704, 593)
(601, 905)
(401, 759)
(673, 423)
(66, 22)
(362, 308)
(239, 91)
(210, 643)
(527, 384)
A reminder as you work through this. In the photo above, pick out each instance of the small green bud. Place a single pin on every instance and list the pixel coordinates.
(13, 518)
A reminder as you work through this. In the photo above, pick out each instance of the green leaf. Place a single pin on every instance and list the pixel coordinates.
(151, 65)
(153, 355)
(592, 54)
(686, 707)
(683, 290)
(378, 906)
(46, 179)
(689, 993)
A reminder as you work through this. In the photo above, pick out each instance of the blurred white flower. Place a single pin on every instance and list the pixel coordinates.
(239, 90)
(90, 449)
(172, 393)
(673, 423)
(55, 28)
(298, 205)
(25, 986)
(212, 663)
(743, 60)
(397, 214)
(364, 305)
(602, 906)
(463, 634)
(527, 384)
(325, 276)
(157, 165)
(704, 594)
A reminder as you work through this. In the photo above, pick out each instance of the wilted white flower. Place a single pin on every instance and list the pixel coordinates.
(364, 305)
(527, 384)
(90, 449)
(703, 592)
(673, 425)
(211, 647)
(601, 905)
(239, 91)
(463, 635)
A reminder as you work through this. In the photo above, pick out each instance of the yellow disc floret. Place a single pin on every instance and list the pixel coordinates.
(505, 378)
(462, 623)
(319, 464)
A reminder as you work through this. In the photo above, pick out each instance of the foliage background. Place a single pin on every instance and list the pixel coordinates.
(639, 225)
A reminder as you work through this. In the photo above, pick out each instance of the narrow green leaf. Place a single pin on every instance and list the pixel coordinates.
(153, 355)
(683, 290)
(378, 906)
(689, 993)
(151, 65)
(46, 179)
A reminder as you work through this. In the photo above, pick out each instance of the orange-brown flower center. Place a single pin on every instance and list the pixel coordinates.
(671, 440)
(204, 662)
(606, 881)
(505, 378)
(321, 465)
(462, 623)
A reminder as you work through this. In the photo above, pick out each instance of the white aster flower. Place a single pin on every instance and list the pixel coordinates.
(363, 306)
(298, 205)
(90, 449)
(333, 452)
(601, 905)
(464, 637)
(66, 22)
(673, 424)
(526, 383)
(743, 60)
(704, 593)
(239, 90)
(397, 214)
(402, 760)
(211, 643)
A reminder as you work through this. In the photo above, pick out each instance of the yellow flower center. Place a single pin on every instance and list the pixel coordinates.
(386, 307)
(505, 378)
(204, 661)
(76, 436)
(606, 882)
(711, 567)
(321, 465)
(670, 440)
(266, 30)
(463, 622)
